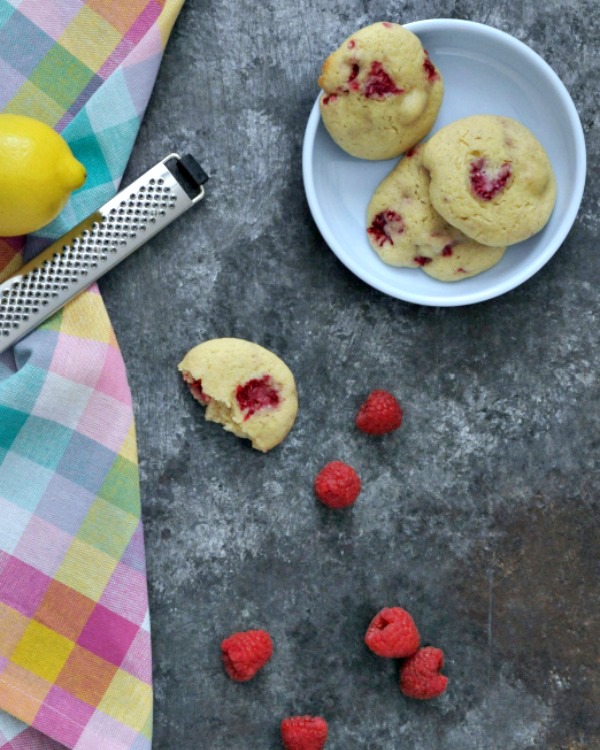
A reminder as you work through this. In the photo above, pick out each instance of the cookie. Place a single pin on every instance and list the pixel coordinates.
(405, 230)
(491, 178)
(381, 92)
(244, 387)
(463, 260)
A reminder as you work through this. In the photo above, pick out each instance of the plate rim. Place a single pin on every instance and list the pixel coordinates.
(506, 285)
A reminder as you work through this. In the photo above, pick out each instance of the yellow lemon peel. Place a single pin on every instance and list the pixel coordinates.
(38, 173)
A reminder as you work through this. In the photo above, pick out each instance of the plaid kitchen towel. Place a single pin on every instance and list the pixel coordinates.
(75, 659)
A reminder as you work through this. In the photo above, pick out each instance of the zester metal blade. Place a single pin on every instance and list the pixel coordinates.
(97, 244)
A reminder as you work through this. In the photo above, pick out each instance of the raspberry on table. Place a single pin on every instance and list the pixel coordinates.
(304, 733)
(393, 634)
(246, 652)
(420, 674)
(337, 485)
(379, 414)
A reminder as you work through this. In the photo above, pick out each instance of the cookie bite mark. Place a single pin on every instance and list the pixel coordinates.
(256, 394)
(422, 260)
(384, 225)
(379, 84)
(486, 184)
(196, 389)
(430, 69)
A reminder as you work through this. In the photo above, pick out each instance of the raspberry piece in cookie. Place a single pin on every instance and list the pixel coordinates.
(463, 259)
(404, 229)
(486, 184)
(393, 634)
(304, 733)
(257, 394)
(420, 674)
(491, 178)
(337, 485)
(432, 72)
(245, 653)
(378, 83)
(384, 227)
(381, 92)
(244, 387)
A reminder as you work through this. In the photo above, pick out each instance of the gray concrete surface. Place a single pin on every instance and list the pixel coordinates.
(480, 515)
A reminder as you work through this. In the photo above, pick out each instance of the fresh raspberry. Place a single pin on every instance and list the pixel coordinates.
(393, 633)
(379, 414)
(420, 674)
(337, 485)
(304, 733)
(245, 653)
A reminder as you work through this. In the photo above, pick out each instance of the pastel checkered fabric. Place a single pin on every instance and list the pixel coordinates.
(75, 660)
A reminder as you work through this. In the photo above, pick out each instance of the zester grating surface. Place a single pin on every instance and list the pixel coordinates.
(83, 255)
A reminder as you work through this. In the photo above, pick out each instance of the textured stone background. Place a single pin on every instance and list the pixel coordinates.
(480, 515)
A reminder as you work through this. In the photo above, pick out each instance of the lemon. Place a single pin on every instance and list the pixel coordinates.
(38, 173)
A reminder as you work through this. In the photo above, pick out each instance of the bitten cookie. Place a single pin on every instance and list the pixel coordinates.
(405, 230)
(381, 92)
(491, 178)
(244, 387)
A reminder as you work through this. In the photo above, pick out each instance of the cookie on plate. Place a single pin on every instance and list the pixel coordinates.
(463, 260)
(381, 92)
(405, 230)
(244, 387)
(491, 178)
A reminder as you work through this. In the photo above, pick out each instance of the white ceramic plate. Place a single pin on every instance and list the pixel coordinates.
(485, 71)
